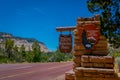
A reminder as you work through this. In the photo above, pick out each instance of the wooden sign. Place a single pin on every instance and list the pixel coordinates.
(90, 36)
(65, 43)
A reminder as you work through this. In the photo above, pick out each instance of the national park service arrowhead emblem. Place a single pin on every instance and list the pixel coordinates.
(90, 36)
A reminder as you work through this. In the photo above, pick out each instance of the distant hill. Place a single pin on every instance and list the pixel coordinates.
(27, 42)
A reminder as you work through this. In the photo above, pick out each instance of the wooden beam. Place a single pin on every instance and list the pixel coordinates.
(61, 29)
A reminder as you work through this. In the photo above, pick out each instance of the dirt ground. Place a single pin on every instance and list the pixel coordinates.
(61, 77)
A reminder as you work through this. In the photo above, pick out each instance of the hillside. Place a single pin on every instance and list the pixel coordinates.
(27, 42)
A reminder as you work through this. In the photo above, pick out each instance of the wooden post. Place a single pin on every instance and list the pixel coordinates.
(61, 29)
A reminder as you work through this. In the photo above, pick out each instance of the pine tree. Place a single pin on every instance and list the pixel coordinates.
(23, 52)
(16, 52)
(9, 47)
(110, 14)
(36, 51)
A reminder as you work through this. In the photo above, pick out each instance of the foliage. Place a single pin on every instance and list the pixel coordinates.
(117, 64)
(110, 14)
(114, 52)
(3, 59)
(29, 56)
(58, 56)
(16, 52)
(19, 54)
(45, 57)
(22, 52)
(9, 47)
(36, 51)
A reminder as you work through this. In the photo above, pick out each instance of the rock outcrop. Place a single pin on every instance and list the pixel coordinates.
(19, 41)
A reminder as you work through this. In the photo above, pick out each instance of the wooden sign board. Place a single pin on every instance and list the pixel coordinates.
(65, 43)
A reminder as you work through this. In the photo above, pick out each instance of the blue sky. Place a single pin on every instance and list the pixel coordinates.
(39, 18)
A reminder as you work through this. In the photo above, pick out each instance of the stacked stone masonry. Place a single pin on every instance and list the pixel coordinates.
(94, 64)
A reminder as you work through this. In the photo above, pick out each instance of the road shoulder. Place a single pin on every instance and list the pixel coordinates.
(61, 77)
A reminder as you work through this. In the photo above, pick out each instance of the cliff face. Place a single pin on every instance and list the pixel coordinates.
(19, 41)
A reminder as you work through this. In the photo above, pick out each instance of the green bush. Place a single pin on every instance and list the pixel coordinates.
(3, 59)
(113, 52)
(58, 56)
(117, 64)
(35, 56)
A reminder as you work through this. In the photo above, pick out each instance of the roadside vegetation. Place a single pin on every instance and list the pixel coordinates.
(10, 53)
(109, 11)
(114, 52)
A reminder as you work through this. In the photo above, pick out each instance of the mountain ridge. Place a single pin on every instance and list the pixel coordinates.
(19, 41)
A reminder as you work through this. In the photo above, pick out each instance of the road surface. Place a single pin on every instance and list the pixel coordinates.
(33, 71)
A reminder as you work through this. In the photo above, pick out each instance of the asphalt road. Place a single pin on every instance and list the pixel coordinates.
(33, 71)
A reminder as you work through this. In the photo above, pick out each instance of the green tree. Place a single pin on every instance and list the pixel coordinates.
(59, 56)
(9, 47)
(15, 49)
(29, 56)
(110, 14)
(16, 52)
(36, 51)
(23, 52)
(2, 49)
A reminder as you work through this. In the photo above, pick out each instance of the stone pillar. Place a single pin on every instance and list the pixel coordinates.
(90, 52)
(91, 64)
